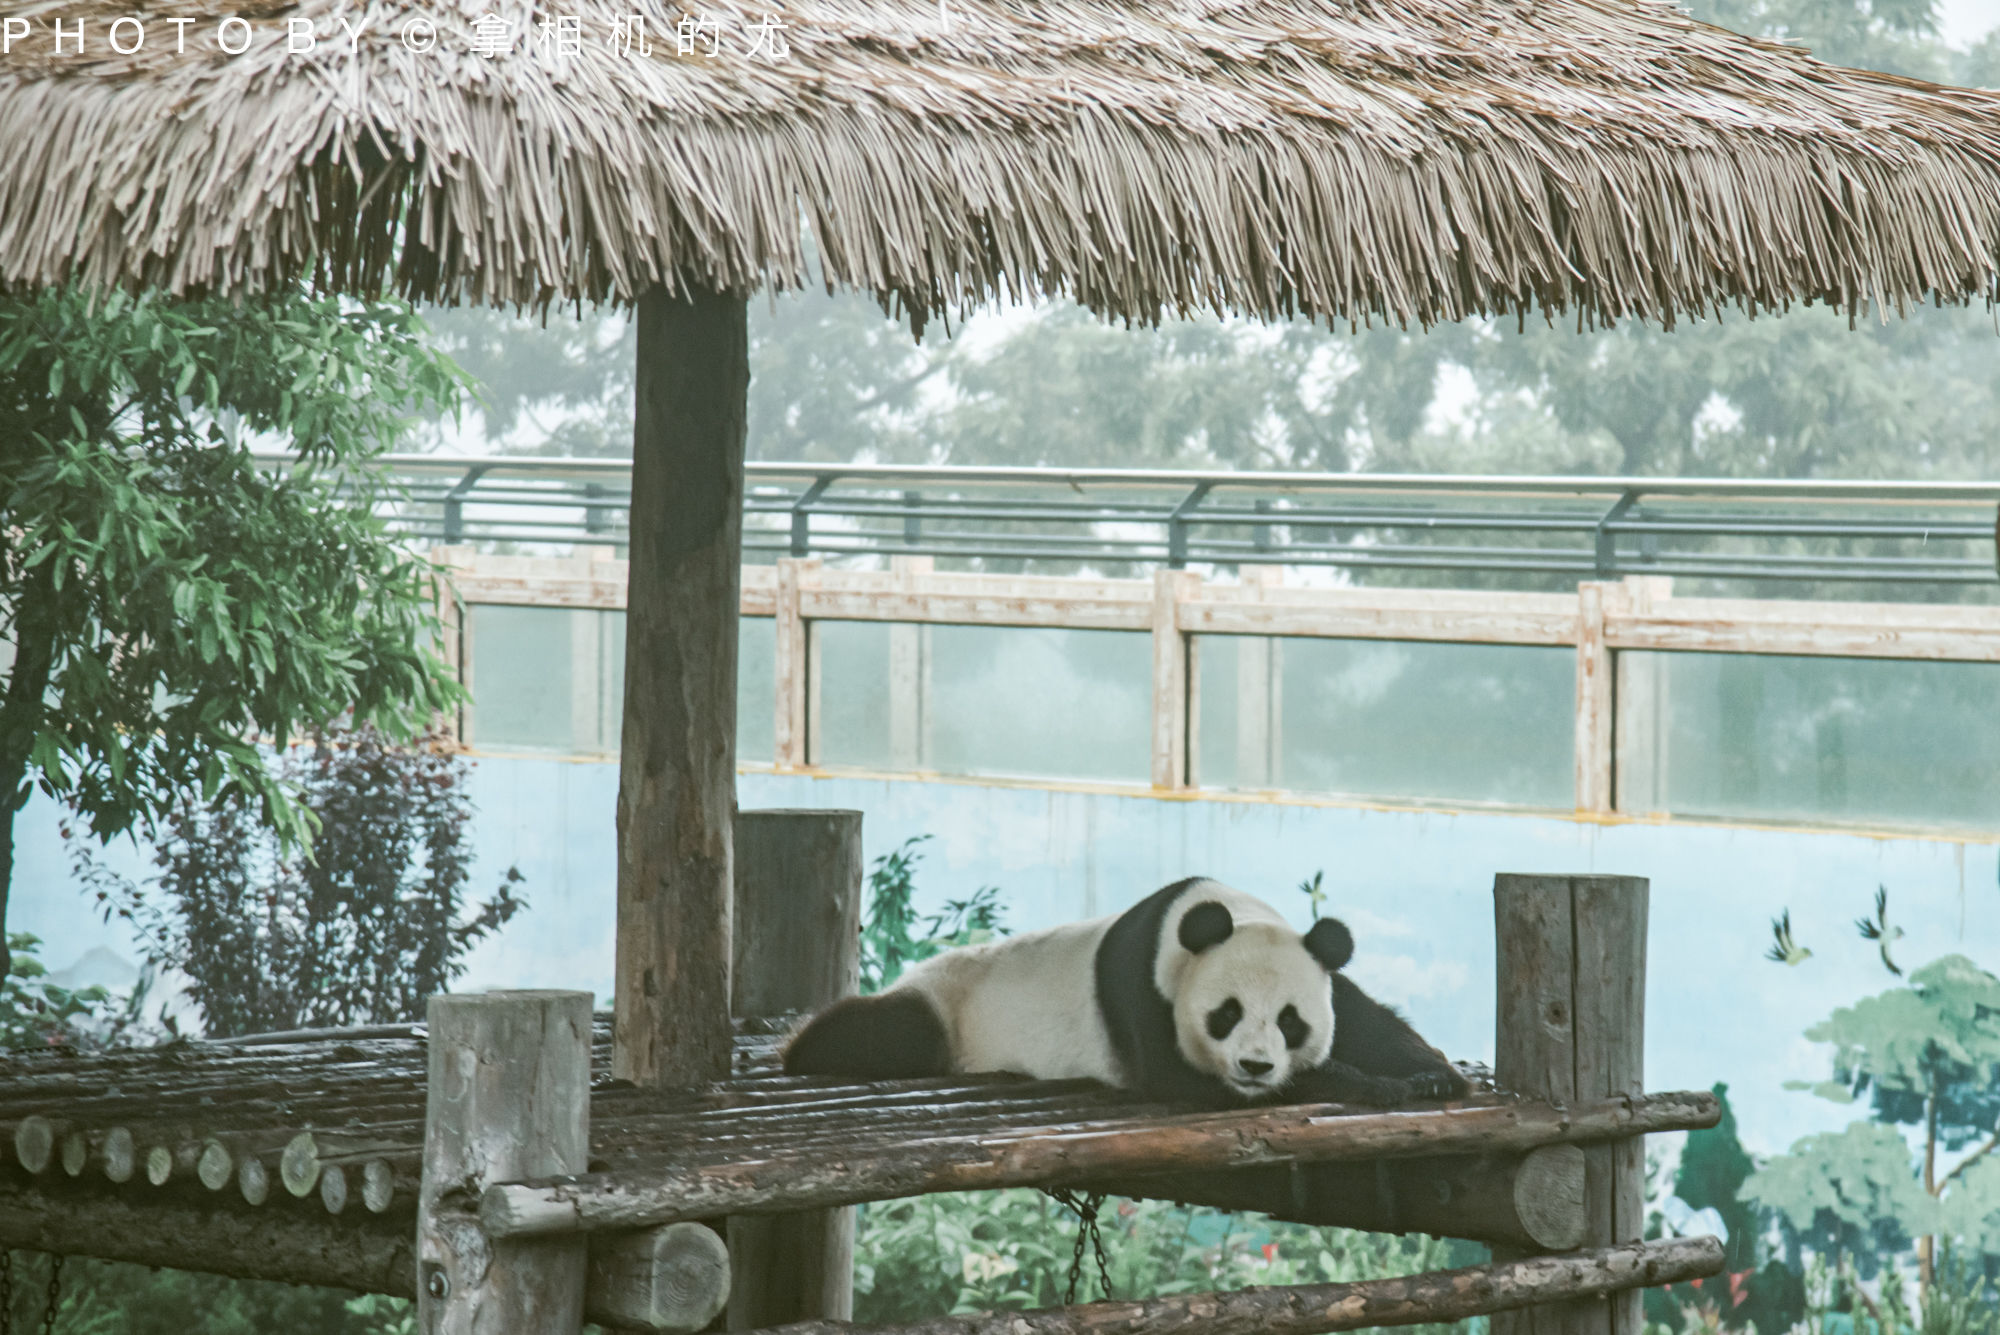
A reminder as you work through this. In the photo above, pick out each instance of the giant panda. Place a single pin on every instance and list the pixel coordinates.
(1199, 994)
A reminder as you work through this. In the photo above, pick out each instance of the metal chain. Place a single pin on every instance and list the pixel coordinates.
(55, 1294)
(1085, 1208)
(6, 1290)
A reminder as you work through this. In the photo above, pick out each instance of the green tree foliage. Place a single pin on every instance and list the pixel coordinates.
(36, 1013)
(362, 932)
(169, 601)
(1713, 1168)
(1008, 1250)
(1926, 1054)
(893, 934)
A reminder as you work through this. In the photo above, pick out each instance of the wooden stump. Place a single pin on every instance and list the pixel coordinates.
(677, 756)
(508, 1097)
(1571, 1028)
(798, 948)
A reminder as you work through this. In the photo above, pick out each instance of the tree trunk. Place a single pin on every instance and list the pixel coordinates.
(677, 762)
(21, 720)
(1927, 1244)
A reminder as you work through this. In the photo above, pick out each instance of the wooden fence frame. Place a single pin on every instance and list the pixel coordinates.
(1615, 696)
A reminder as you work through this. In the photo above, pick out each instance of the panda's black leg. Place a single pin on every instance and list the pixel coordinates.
(1338, 1082)
(895, 1035)
(1370, 1036)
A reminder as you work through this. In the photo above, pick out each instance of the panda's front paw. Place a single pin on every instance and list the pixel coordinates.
(1379, 1091)
(1435, 1085)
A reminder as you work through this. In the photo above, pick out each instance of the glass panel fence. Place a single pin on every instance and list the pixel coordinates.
(552, 679)
(1387, 718)
(985, 700)
(1807, 738)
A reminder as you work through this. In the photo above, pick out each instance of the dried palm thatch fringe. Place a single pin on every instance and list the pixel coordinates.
(1408, 160)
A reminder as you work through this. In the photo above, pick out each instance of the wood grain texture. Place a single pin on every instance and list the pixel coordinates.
(509, 1093)
(1571, 991)
(674, 1280)
(798, 907)
(1532, 1201)
(1170, 678)
(918, 1157)
(1611, 920)
(789, 666)
(1595, 712)
(1309, 1309)
(1382, 619)
(677, 762)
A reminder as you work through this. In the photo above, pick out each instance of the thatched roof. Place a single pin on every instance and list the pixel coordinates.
(1413, 159)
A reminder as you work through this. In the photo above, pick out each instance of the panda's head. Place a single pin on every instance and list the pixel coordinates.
(1254, 1001)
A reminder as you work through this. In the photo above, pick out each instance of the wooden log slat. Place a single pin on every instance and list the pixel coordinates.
(1312, 1309)
(642, 1196)
(1532, 1201)
(366, 1253)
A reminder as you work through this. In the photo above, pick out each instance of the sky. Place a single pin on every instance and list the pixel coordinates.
(1966, 21)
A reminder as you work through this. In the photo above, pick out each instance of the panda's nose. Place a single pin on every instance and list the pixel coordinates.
(1250, 1067)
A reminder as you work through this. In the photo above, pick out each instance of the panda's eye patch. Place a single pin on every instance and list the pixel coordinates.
(1292, 1027)
(1224, 1018)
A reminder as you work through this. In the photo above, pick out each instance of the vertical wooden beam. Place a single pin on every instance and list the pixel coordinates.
(798, 917)
(909, 675)
(1594, 709)
(1640, 740)
(1571, 1028)
(790, 667)
(593, 722)
(1170, 677)
(508, 1098)
(677, 759)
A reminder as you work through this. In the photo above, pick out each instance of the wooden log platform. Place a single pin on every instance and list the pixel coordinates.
(1311, 1309)
(286, 1117)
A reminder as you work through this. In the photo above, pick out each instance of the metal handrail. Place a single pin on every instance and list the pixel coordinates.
(1912, 533)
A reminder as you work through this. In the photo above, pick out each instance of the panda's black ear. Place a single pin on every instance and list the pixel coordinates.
(1205, 925)
(1330, 943)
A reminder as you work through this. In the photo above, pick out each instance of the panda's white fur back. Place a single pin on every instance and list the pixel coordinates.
(1024, 1003)
(1197, 993)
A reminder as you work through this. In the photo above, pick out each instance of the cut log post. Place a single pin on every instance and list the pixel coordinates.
(35, 1140)
(798, 948)
(673, 1279)
(509, 1094)
(367, 1254)
(1310, 1309)
(362, 1252)
(1532, 1201)
(1571, 1027)
(677, 758)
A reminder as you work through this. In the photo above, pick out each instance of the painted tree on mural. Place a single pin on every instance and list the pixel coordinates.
(1924, 1054)
(171, 604)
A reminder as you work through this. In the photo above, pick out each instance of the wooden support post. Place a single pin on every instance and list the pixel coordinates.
(791, 665)
(508, 1097)
(1170, 678)
(1571, 1029)
(677, 762)
(798, 912)
(909, 676)
(1594, 708)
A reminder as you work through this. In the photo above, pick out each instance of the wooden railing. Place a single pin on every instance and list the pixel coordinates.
(1601, 622)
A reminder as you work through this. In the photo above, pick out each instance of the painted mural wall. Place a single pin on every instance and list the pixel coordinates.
(1415, 885)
